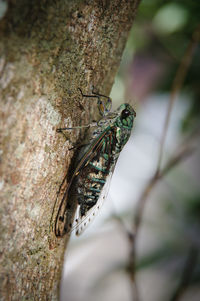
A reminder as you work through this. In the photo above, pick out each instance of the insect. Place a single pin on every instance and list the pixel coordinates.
(95, 165)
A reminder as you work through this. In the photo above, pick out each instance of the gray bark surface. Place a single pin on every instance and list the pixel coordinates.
(47, 50)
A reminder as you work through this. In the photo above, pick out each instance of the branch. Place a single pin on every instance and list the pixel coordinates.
(176, 87)
(180, 156)
(182, 153)
(188, 270)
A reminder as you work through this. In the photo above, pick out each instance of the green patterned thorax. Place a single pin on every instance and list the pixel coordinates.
(96, 165)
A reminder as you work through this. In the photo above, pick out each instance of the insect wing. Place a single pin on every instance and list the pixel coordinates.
(63, 225)
(82, 222)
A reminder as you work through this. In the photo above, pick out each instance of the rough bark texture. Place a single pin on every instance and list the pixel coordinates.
(47, 50)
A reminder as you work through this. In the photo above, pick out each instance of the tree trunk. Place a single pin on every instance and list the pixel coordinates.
(47, 50)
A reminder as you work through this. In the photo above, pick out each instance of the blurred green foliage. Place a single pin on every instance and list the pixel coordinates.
(163, 30)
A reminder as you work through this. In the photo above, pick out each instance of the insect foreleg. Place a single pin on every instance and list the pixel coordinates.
(103, 108)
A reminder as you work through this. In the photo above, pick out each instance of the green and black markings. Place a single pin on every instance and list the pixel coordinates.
(96, 164)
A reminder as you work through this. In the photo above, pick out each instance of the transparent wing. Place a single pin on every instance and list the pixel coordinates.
(81, 222)
(63, 217)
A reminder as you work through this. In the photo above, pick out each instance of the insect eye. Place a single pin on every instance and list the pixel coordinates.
(125, 114)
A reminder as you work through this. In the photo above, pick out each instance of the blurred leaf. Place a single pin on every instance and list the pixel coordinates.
(170, 18)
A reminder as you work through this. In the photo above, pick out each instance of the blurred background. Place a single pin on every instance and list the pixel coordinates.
(117, 257)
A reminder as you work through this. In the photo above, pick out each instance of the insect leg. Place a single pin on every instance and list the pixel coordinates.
(106, 107)
(76, 146)
(103, 108)
(60, 130)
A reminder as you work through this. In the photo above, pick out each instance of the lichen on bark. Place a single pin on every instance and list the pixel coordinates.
(47, 50)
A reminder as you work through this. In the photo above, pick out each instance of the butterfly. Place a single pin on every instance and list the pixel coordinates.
(89, 183)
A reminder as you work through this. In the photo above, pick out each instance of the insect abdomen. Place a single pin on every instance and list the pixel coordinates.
(93, 176)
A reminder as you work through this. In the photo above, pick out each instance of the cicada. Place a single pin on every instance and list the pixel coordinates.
(95, 165)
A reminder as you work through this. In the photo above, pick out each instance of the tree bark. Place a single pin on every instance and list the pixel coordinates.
(47, 50)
